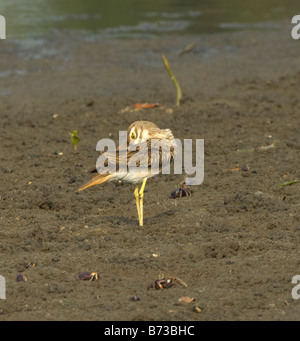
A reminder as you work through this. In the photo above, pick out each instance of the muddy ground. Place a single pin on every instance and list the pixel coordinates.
(234, 241)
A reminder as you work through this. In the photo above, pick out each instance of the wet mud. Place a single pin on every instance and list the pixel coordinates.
(234, 241)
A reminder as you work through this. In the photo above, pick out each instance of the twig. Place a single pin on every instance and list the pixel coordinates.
(187, 49)
(179, 94)
(288, 183)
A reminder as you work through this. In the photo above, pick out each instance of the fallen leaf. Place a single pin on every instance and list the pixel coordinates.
(146, 105)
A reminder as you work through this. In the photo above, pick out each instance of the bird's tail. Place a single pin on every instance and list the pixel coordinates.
(96, 180)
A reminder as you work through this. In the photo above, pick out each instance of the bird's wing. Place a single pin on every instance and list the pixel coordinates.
(118, 159)
(161, 153)
(151, 154)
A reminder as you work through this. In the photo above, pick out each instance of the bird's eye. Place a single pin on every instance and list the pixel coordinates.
(133, 136)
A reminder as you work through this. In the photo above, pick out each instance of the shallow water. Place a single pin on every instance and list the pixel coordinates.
(135, 18)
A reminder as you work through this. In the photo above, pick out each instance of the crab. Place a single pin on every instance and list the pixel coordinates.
(164, 283)
(182, 191)
(91, 276)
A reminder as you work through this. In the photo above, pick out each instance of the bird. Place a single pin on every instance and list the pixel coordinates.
(148, 148)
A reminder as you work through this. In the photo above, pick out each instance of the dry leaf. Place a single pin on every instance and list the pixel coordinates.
(146, 105)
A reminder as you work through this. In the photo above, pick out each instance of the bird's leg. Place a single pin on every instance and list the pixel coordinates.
(137, 199)
(141, 193)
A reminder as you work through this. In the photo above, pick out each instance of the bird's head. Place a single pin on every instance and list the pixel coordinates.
(140, 131)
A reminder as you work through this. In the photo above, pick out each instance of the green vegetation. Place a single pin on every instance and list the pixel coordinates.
(75, 139)
(288, 183)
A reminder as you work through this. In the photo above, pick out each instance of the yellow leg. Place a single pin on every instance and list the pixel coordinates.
(141, 193)
(137, 199)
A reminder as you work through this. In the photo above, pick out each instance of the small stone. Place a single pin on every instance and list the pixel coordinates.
(134, 298)
(186, 299)
(21, 278)
(72, 180)
(197, 309)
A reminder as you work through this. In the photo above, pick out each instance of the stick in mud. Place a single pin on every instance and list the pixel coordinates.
(179, 94)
